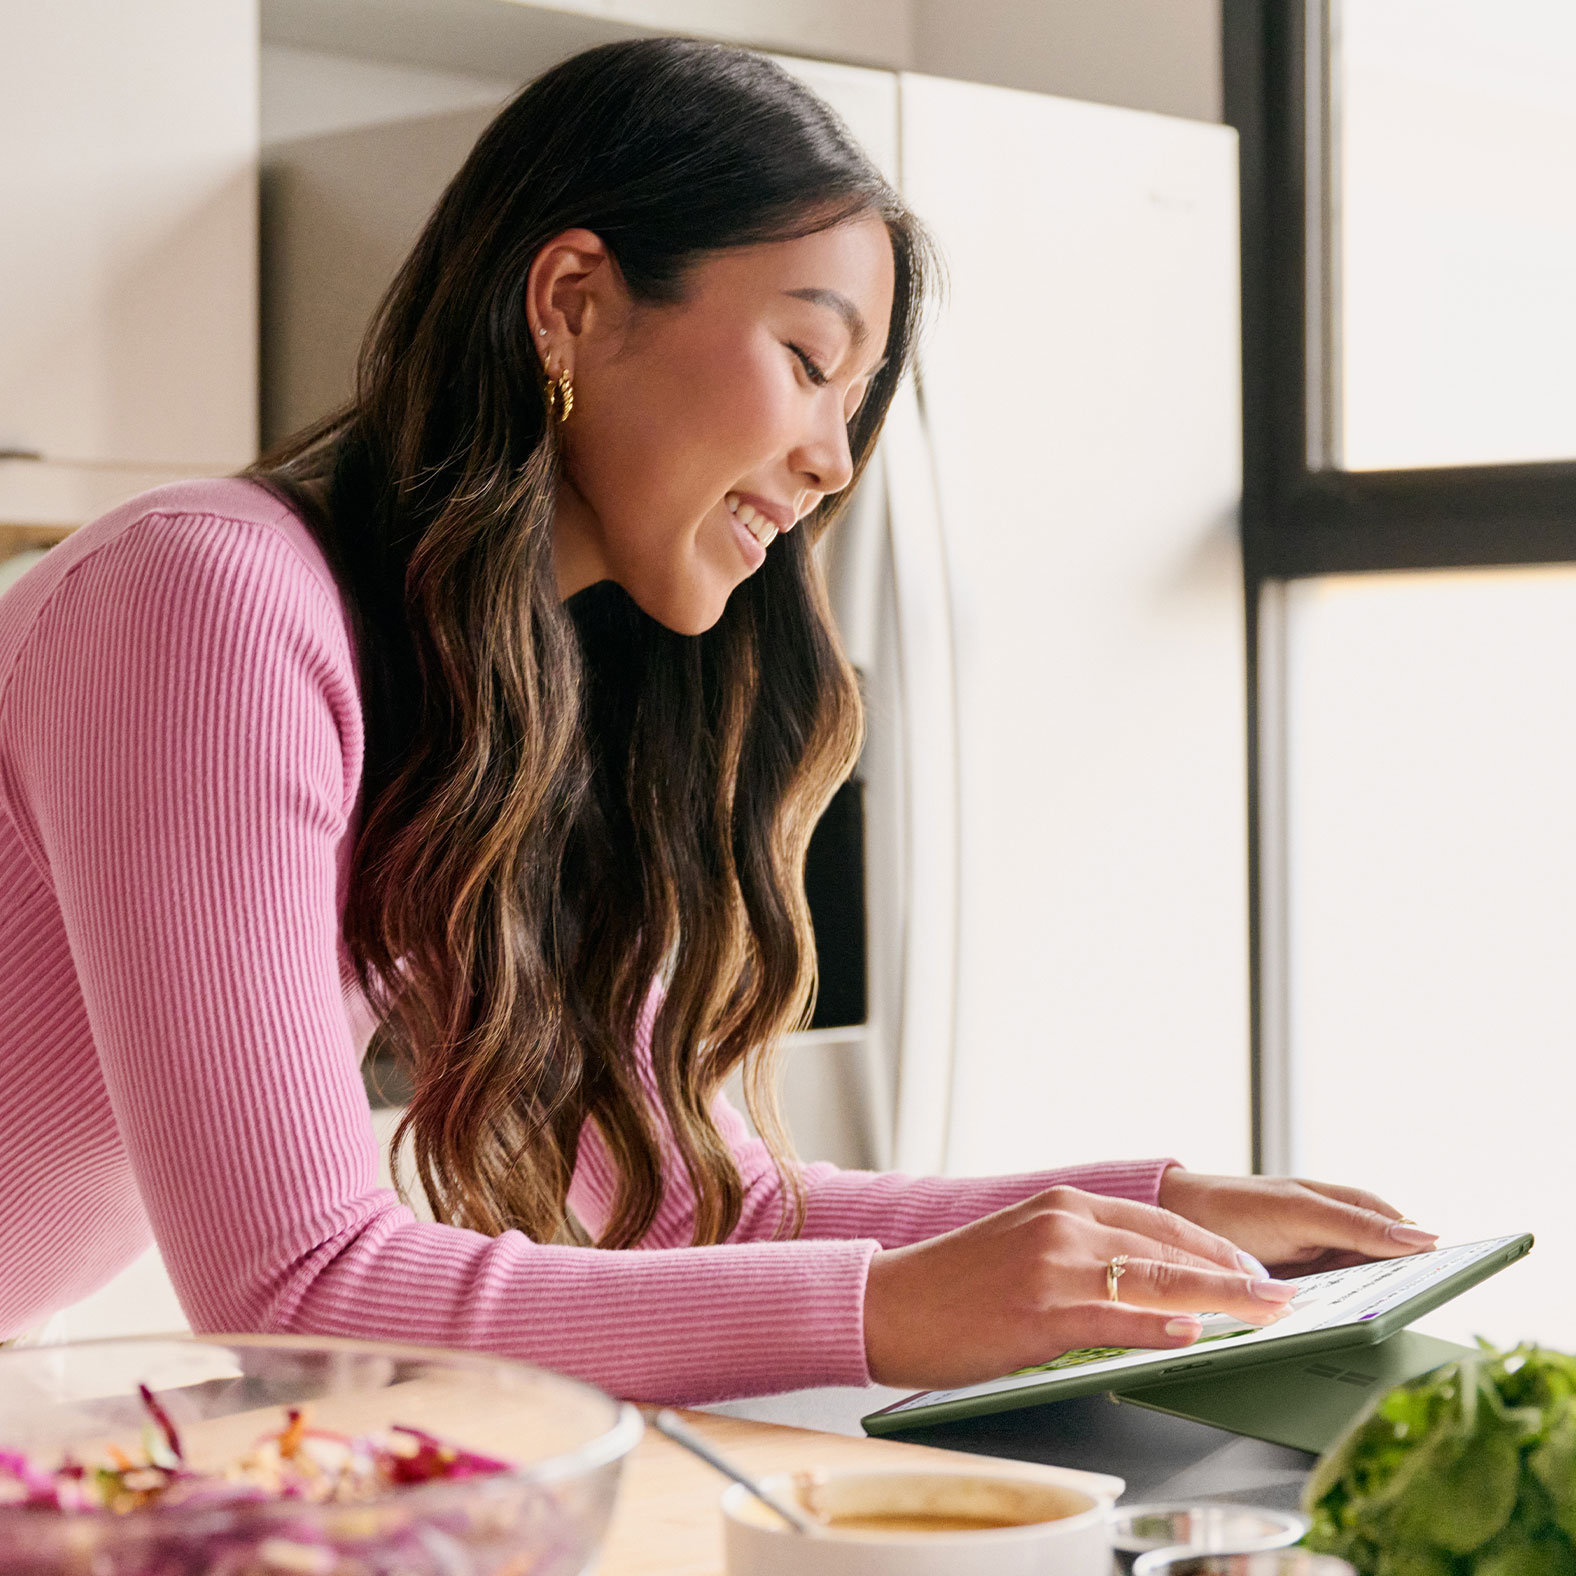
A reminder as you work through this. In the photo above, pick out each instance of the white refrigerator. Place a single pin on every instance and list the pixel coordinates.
(1042, 588)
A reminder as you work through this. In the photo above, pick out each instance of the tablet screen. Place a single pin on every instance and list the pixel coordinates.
(1351, 1296)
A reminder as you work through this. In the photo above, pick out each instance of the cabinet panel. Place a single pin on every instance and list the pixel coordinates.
(340, 211)
(128, 317)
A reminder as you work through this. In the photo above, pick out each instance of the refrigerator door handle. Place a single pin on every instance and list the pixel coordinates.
(927, 1021)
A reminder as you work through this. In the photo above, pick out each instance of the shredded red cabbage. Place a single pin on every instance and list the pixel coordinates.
(349, 1523)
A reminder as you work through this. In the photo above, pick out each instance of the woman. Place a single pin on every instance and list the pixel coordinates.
(496, 711)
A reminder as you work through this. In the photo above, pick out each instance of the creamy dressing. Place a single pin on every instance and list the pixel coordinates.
(901, 1523)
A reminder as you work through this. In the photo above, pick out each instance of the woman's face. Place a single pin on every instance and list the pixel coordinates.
(688, 417)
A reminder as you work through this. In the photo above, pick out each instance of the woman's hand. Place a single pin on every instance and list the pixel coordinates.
(1296, 1227)
(1029, 1282)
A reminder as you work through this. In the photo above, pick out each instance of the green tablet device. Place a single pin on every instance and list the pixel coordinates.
(1358, 1306)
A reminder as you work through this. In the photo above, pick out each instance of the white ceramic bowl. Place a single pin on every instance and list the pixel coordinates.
(1057, 1530)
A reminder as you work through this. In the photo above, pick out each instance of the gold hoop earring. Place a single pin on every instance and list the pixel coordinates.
(561, 396)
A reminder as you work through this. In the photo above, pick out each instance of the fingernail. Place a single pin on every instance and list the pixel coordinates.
(1412, 1237)
(1272, 1290)
(1191, 1329)
(1252, 1266)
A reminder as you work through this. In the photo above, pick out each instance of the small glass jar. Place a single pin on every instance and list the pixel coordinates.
(1272, 1562)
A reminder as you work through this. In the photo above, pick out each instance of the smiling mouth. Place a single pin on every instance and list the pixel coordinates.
(757, 525)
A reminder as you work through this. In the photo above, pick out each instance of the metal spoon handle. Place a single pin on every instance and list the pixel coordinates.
(668, 1424)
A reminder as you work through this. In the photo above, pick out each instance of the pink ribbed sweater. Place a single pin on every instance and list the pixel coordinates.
(180, 761)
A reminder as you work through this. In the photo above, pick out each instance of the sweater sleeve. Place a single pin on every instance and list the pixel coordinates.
(890, 1207)
(187, 730)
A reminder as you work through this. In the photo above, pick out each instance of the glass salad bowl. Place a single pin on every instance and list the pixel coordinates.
(284, 1456)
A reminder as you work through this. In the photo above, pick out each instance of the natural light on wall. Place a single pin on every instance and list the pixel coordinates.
(1455, 164)
(1431, 776)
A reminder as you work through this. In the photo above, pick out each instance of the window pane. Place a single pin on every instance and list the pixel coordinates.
(1432, 883)
(1455, 231)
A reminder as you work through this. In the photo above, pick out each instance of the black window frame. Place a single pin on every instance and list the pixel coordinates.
(1302, 516)
(1301, 519)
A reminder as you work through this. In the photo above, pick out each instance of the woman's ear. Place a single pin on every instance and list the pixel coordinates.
(575, 293)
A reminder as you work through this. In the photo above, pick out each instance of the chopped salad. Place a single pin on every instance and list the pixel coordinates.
(297, 1462)
(301, 1500)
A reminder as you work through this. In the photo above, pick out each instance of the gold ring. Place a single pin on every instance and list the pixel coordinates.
(1406, 1220)
(1115, 1269)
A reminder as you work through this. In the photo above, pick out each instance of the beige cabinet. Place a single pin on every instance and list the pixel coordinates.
(128, 317)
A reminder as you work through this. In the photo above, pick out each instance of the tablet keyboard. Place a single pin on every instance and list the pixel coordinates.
(1380, 1286)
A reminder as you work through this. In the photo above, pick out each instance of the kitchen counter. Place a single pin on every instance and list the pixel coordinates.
(1156, 1455)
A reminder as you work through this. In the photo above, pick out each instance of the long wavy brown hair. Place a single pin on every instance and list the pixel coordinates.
(564, 802)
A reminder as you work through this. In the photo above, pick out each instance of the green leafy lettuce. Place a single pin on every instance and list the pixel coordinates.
(1467, 1471)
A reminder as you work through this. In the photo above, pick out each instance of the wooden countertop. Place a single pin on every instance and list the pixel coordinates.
(668, 1520)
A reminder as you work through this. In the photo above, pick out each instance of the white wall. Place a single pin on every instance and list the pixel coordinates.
(1431, 773)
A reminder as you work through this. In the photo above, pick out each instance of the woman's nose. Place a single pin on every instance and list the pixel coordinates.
(825, 460)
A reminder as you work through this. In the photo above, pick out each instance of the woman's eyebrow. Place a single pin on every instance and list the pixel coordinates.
(845, 309)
